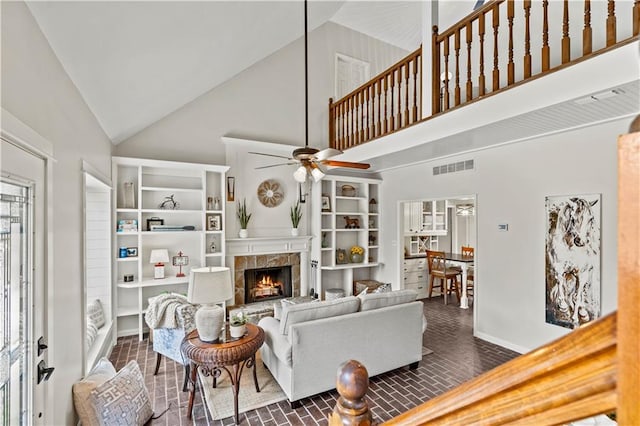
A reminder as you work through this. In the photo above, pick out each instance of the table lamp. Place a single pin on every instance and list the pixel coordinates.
(208, 286)
(159, 257)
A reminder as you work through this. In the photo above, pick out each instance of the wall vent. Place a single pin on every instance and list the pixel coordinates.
(453, 167)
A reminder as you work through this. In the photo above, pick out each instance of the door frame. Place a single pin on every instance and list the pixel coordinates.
(17, 133)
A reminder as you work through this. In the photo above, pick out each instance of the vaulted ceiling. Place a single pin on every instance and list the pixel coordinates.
(136, 62)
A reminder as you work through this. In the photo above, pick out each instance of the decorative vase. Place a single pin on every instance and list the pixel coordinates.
(243, 233)
(356, 258)
(237, 330)
(294, 232)
(209, 320)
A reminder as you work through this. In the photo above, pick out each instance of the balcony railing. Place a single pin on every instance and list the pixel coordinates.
(389, 102)
(500, 45)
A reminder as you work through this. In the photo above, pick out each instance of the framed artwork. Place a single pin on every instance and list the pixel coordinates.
(132, 251)
(326, 203)
(214, 222)
(231, 188)
(154, 221)
(341, 257)
(572, 259)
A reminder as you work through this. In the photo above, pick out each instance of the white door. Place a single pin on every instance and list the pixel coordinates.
(22, 265)
(350, 74)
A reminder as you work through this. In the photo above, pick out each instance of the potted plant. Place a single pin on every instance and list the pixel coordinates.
(243, 217)
(237, 323)
(296, 215)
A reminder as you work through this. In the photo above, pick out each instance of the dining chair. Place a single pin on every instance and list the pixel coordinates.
(439, 270)
(469, 251)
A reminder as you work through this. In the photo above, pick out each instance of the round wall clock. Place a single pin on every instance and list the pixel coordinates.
(270, 193)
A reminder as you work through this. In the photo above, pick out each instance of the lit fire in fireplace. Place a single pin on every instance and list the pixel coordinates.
(266, 287)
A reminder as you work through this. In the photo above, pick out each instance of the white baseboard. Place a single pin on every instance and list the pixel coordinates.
(500, 342)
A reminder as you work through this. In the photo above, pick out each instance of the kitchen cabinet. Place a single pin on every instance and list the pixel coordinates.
(416, 275)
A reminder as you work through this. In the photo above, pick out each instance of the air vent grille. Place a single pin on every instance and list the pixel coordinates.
(453, 167)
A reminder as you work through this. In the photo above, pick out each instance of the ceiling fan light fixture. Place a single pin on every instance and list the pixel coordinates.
(316, 172)
(300, 175)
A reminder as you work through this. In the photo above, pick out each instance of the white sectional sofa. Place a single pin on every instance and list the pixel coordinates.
(305, 347)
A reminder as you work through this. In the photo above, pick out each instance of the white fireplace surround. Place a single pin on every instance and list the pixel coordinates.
(273, 245)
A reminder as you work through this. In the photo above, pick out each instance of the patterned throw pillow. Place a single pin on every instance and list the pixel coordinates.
(92, 332)
(384, 288)
(102, 372)
(95, 313)
(123, 400)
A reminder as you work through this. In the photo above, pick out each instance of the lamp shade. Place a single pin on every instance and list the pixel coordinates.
(300, 175)
(209, 285)
(159, 256)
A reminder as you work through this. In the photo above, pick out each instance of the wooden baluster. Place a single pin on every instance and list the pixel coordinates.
(445, 95)
(566, 40)
(586, 32)
(356, 126)
(352, 385)
(406, 93)
(386, 103)
(343, 114)
(510, 65)
(611, 23)
(357, 114)
(456, 48)
(636, 17)
(392, 89)
(481, 32)
(496, 25)
(546, 53)
(332, 124)
(435, 72)
(361, 127)
(527, 39)
(469, 33)
(351, 127)
(379, 99)
(415, 89)
(368, 111)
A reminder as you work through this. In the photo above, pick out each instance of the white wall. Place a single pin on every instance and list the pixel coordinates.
(264, 102)
(511, 183)
(36, 89)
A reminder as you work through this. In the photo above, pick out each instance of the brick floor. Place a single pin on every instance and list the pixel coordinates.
(457, 357)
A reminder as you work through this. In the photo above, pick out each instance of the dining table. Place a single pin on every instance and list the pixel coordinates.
(464, 262)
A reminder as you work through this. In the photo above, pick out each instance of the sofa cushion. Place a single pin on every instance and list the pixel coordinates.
(293, 314)
(123, 399)
(102, 372)
(379, 300)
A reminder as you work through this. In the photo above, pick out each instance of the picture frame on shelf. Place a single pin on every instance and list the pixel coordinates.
(341, 257)
(326, 203)
(132, 251)
(214, 222)
(154, 221)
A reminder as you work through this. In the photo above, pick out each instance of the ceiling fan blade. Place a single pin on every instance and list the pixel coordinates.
(347, 164)
(326, 153)
(271, 155)
(274, 165)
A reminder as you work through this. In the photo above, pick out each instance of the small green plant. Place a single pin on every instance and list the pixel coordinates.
(238, 319)
(243, 216)
(296, 214)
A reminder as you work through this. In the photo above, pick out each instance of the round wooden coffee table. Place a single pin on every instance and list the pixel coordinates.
(230, 355)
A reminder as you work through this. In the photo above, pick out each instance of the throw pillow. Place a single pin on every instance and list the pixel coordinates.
(277, 310)
(380, 300)
(123, 400)
(102, 372)
(384, 288)
(92, 332)
(96, 313)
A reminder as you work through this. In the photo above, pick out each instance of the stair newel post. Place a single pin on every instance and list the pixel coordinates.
(636, 17)
(352, 385)
(332, 124)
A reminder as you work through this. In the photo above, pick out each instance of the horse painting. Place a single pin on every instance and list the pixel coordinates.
(572, 260)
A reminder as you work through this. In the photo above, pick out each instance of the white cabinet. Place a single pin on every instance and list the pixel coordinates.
(345, 216)
(419, 244)
(434, 217)
(413, 217)
(416, 275)
(175, 195)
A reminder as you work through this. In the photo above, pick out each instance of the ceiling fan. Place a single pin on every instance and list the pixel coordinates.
(310, 159)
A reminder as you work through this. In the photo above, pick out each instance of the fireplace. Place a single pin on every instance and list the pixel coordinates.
(267, 283)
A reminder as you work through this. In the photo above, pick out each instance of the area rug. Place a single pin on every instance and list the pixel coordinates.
(426, 351)
(220, 400)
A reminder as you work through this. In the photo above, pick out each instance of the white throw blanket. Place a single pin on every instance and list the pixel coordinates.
(162, 310)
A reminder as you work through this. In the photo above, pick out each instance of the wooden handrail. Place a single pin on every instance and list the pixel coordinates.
(590, 371)
(387, 103)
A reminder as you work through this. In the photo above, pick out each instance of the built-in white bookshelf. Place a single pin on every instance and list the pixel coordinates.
(145, 193)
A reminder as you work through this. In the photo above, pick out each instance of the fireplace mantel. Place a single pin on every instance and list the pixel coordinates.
(237, 247)
(267, 245)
